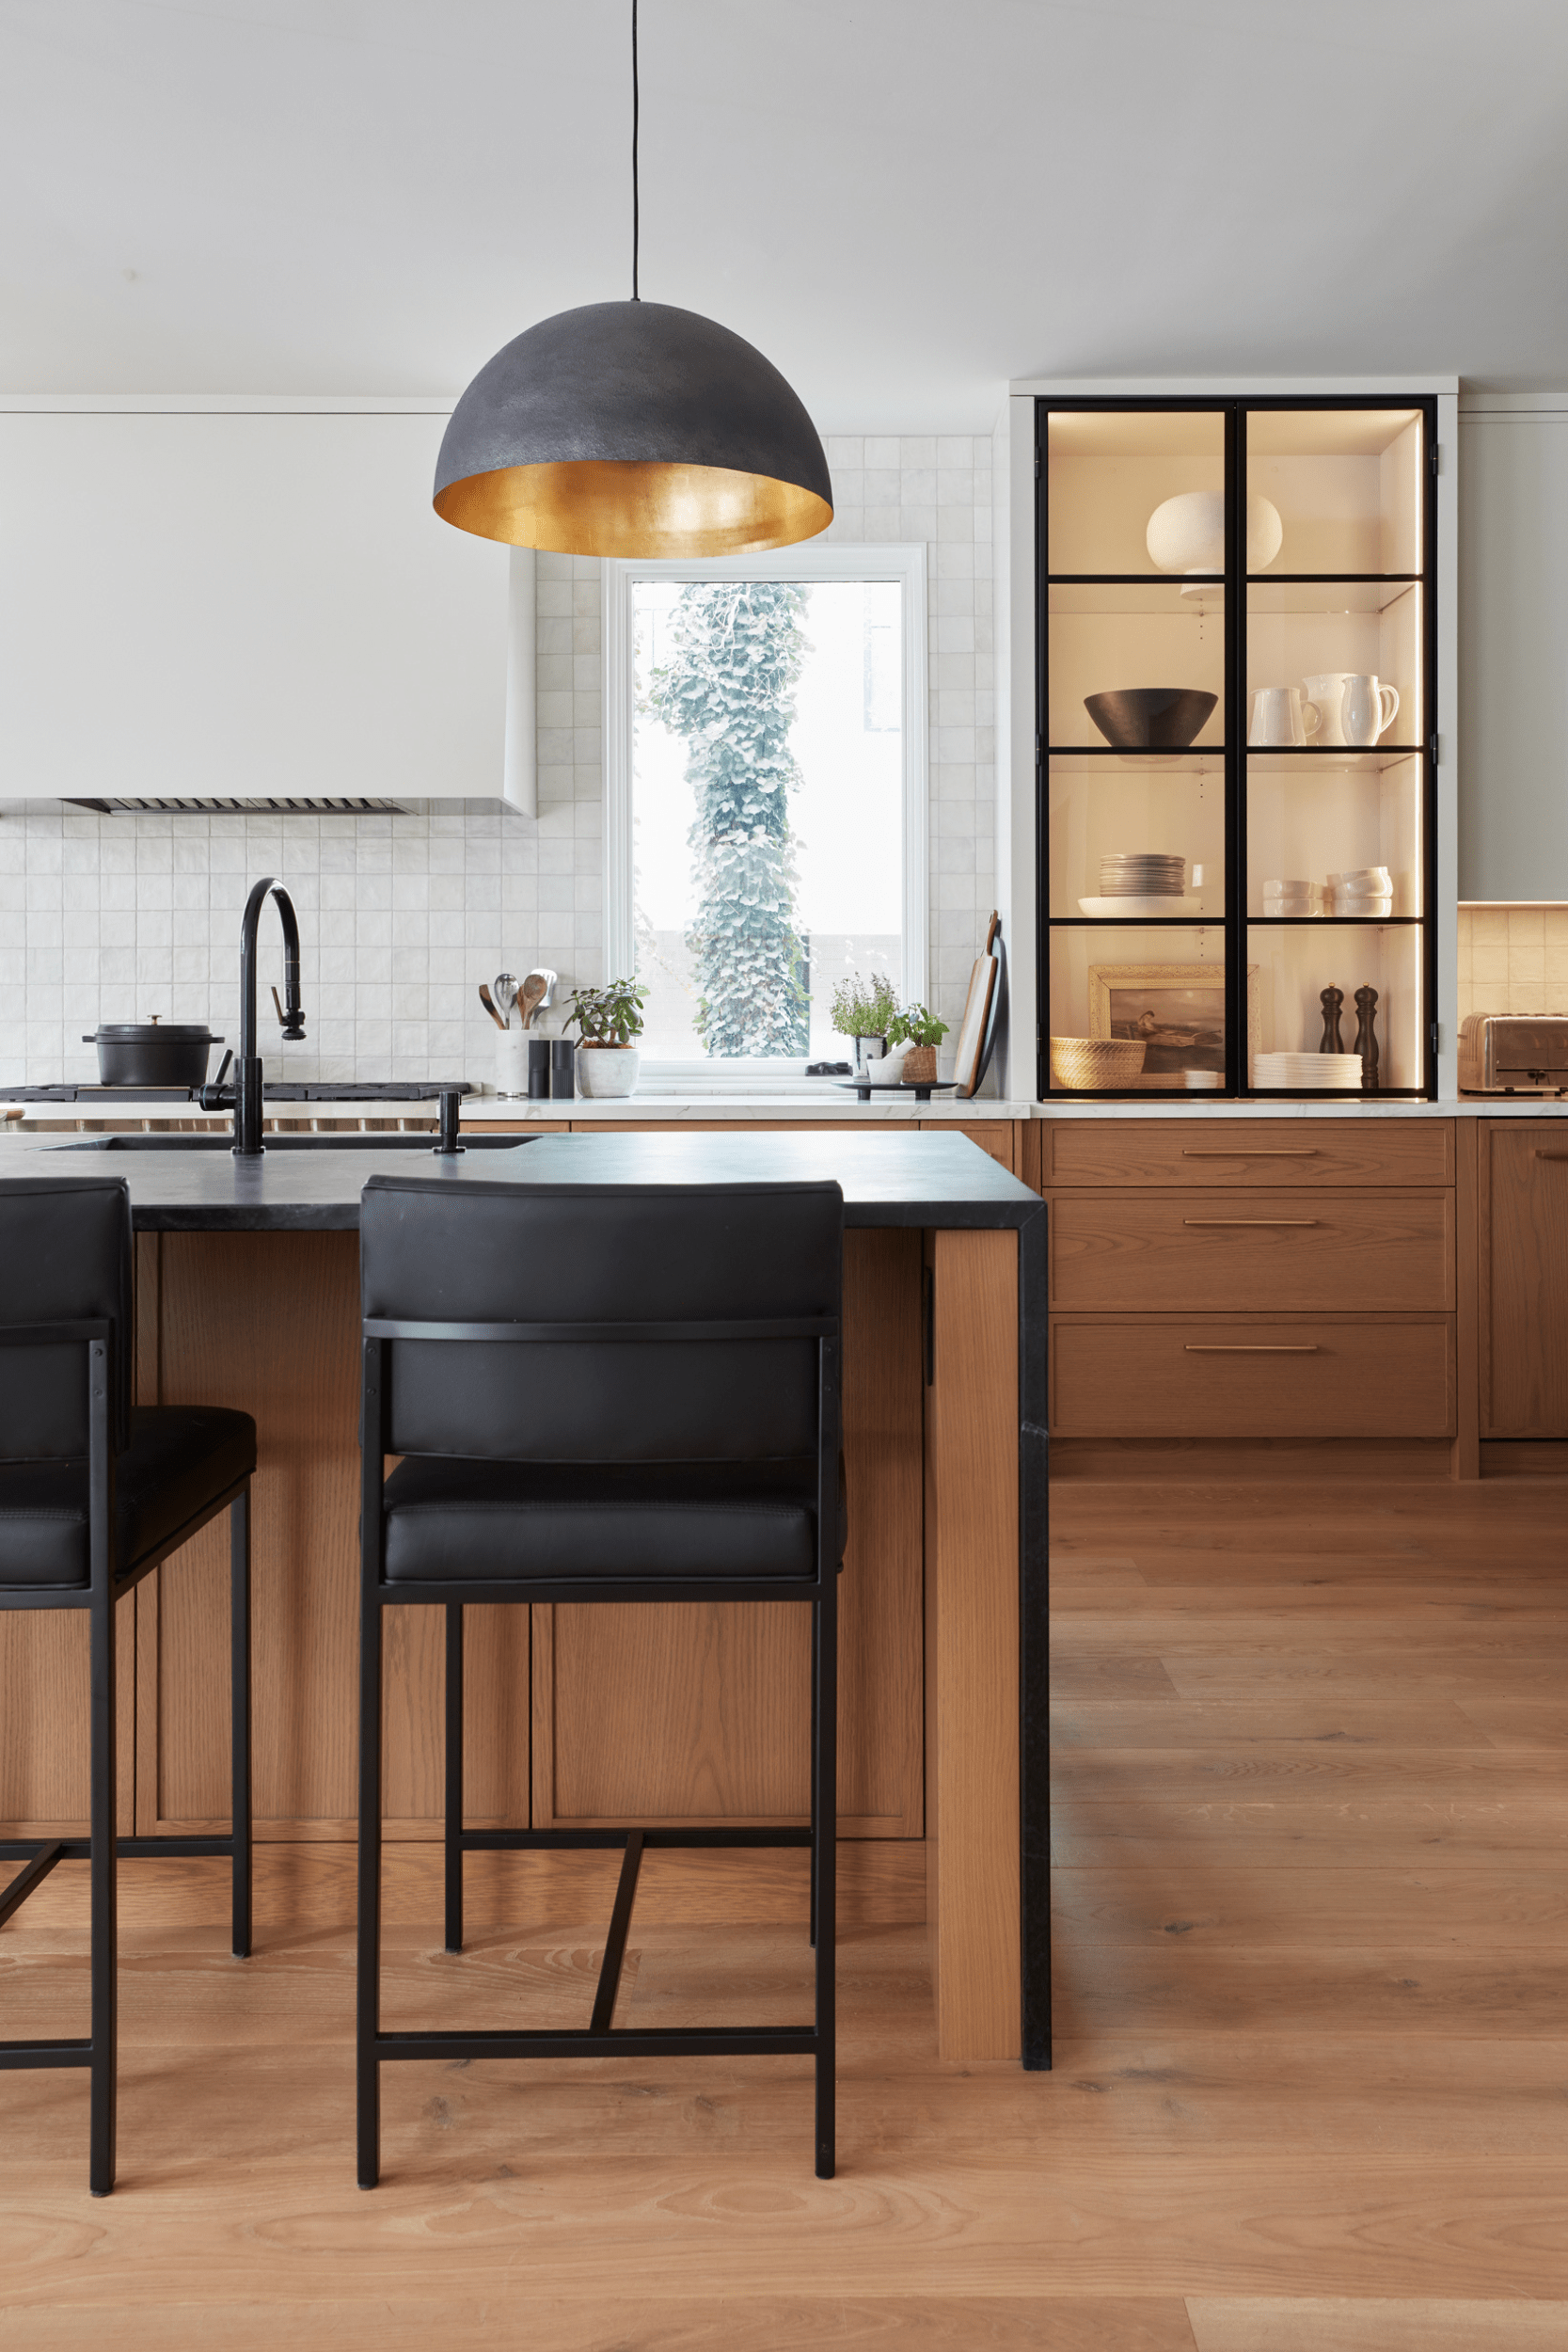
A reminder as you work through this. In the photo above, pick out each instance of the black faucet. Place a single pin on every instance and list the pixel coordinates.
(245, 1095)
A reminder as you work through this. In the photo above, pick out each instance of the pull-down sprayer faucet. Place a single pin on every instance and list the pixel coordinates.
(245, 1093)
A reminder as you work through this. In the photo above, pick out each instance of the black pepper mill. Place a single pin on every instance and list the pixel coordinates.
(1331, 999)
(1366, 1040)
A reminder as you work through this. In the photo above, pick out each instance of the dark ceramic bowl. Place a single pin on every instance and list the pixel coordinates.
(1150, 718)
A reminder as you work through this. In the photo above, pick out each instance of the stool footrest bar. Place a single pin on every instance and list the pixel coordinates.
(615, 1943)
(21, 2056)
(648, 2042)
(127, 1849)
(542, 1840)
(27, 1881)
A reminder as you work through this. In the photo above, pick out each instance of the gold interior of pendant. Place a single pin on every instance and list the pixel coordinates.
(622, 507)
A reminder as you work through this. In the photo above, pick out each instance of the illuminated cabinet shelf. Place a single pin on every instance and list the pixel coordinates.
(1235, 702)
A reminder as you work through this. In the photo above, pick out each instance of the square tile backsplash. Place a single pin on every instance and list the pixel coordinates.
(1512, 958)
(116, 918)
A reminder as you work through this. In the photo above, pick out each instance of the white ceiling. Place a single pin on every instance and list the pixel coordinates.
(904, 202)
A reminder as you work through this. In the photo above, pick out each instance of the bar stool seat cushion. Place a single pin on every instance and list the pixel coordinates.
(178, 1459)
(461, 1519)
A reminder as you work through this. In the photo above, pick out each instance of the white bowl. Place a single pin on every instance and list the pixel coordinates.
(1135, 905)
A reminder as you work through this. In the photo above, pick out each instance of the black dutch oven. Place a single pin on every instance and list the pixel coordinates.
(152, 1053)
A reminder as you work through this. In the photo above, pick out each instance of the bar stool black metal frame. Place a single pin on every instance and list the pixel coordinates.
(600, 2038)
(103, 1848)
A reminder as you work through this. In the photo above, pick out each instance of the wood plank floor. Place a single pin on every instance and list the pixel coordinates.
(1312, 2091)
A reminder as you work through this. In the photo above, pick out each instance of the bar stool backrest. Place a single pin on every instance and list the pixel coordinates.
(65, 1257)
(573, 1267)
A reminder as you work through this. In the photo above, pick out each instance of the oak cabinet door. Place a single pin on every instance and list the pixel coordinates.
(698, 1713)
(1524, 1259)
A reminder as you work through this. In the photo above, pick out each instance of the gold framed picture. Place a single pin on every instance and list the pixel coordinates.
(1177, 1010)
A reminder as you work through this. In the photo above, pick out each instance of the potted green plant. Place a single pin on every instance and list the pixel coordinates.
(609, 1019)
(921, 1032)
(862, 1010)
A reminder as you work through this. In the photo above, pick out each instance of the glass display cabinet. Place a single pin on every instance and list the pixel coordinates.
(1236, 673)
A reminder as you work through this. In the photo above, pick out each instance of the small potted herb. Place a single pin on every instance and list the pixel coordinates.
(609, 1019)
(863, 1010)
(921, 1032)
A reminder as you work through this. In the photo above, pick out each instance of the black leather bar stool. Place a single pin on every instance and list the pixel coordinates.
(93, 1493)
(600, 1393)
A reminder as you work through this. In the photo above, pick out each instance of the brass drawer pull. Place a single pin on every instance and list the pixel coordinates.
(1249, 1220)
(1214, 1349)
(1249, 1155)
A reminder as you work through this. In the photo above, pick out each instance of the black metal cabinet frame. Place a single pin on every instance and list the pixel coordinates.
(1235, 580)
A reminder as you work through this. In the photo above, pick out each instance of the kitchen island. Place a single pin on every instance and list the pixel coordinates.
(247, 1295)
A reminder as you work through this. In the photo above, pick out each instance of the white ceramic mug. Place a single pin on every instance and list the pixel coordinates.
(1368, 710)
(1327, 691)
(1279, 718)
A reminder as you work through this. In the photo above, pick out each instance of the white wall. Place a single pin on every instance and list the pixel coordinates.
(114, 918)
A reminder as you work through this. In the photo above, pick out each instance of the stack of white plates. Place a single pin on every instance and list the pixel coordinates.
(1293, 895)
(1307, 1069)
(1364, 890)
(1142, 874)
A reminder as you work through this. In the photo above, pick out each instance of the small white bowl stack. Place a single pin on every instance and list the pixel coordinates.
(1366, 890)
(1291, 896)
(1306, 1072)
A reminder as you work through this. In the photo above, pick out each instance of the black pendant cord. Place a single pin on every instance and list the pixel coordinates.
(636, 212)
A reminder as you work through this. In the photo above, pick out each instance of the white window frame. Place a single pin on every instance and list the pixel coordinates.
(903, 562)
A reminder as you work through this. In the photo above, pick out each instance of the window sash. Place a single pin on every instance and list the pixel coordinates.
(905, 565)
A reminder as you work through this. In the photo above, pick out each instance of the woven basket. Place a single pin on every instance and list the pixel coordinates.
(1096, 1061)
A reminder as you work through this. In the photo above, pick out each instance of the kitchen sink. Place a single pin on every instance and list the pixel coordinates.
(222, 1142)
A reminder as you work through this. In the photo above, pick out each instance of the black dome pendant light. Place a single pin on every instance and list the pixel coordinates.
(631, 428)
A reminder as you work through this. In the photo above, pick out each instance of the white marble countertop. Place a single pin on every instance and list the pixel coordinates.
(901, 1111)
(1332, 1106)
(832, 1105)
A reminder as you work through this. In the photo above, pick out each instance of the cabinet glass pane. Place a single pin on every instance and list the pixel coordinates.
(1106, 474)
(1295, 963)
(1346, 483)
(1151, 644)
(1163, 990)
(1106, 816)
(1317, 637)
(1309, 818)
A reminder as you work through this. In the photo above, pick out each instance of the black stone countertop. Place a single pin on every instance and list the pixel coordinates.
(889, 1179)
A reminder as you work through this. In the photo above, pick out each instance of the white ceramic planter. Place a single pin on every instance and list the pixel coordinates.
(607, 1073)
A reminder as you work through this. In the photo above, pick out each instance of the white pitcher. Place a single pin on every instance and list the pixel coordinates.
(1327, 691)
(1279, 719)
(1367, 709)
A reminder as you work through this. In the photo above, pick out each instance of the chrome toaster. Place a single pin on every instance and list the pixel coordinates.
(1504, 1053)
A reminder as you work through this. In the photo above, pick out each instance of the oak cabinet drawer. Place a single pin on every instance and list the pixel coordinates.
(993, 1136)
(1248, 1151)
(1262, 1377)
(1267, 1253)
